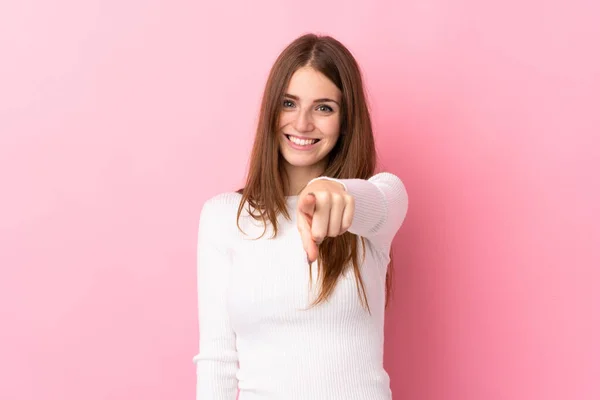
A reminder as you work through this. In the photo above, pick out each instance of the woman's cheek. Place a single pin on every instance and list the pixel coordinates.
(333, 128)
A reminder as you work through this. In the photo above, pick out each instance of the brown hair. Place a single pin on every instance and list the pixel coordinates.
(353, 156)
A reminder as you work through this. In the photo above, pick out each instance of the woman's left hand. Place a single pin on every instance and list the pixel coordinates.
(324, 209)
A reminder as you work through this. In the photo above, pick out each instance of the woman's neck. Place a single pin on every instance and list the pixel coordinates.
(298, 177)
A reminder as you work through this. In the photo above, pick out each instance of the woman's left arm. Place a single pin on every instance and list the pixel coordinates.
(378, 206)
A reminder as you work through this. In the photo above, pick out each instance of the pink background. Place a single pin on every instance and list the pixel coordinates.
(119, 118)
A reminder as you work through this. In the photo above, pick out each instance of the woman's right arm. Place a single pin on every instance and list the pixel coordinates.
(217, 360)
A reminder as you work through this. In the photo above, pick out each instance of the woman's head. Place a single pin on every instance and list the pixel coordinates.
(314, 92)
(309, 121)
(308, 70)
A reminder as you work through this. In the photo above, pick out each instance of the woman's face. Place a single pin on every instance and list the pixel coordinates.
(309, 123)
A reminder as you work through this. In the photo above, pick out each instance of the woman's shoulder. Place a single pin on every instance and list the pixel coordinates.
(222, 203)
(224, 199)
(218, 216)
(217, 219)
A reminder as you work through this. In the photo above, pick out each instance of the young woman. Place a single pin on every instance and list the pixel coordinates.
(292, 269)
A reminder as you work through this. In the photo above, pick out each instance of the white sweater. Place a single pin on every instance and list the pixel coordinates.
(255, 333)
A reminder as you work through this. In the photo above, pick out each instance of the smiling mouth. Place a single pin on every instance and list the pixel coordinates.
(302, 142)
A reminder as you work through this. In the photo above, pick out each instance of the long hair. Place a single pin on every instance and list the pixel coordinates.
(353, 156)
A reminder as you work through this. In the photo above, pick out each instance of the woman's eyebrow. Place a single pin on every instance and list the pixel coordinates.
(291, 96)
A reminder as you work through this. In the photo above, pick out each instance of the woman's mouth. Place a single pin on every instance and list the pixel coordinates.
(301, 144)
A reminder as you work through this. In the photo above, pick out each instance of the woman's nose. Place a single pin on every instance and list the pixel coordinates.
(303, 122)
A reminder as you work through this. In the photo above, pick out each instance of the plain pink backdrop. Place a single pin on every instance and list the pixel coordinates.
(119, 118)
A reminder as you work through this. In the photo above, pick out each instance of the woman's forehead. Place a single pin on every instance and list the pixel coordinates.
(309, 84)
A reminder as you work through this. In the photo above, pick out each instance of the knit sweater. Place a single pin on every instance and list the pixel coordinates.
(257, 333)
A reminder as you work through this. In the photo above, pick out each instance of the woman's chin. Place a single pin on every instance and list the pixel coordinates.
(300, 159)
(299, 163)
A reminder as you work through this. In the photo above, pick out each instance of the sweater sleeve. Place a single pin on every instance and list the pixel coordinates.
(380, 206)
(217, 360)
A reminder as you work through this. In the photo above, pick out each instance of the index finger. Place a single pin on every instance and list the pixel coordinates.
(307, 204)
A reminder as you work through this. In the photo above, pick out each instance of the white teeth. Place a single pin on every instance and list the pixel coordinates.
(302, 142)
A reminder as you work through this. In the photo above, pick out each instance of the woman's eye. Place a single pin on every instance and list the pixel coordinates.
(325, 108)
(287, 104)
